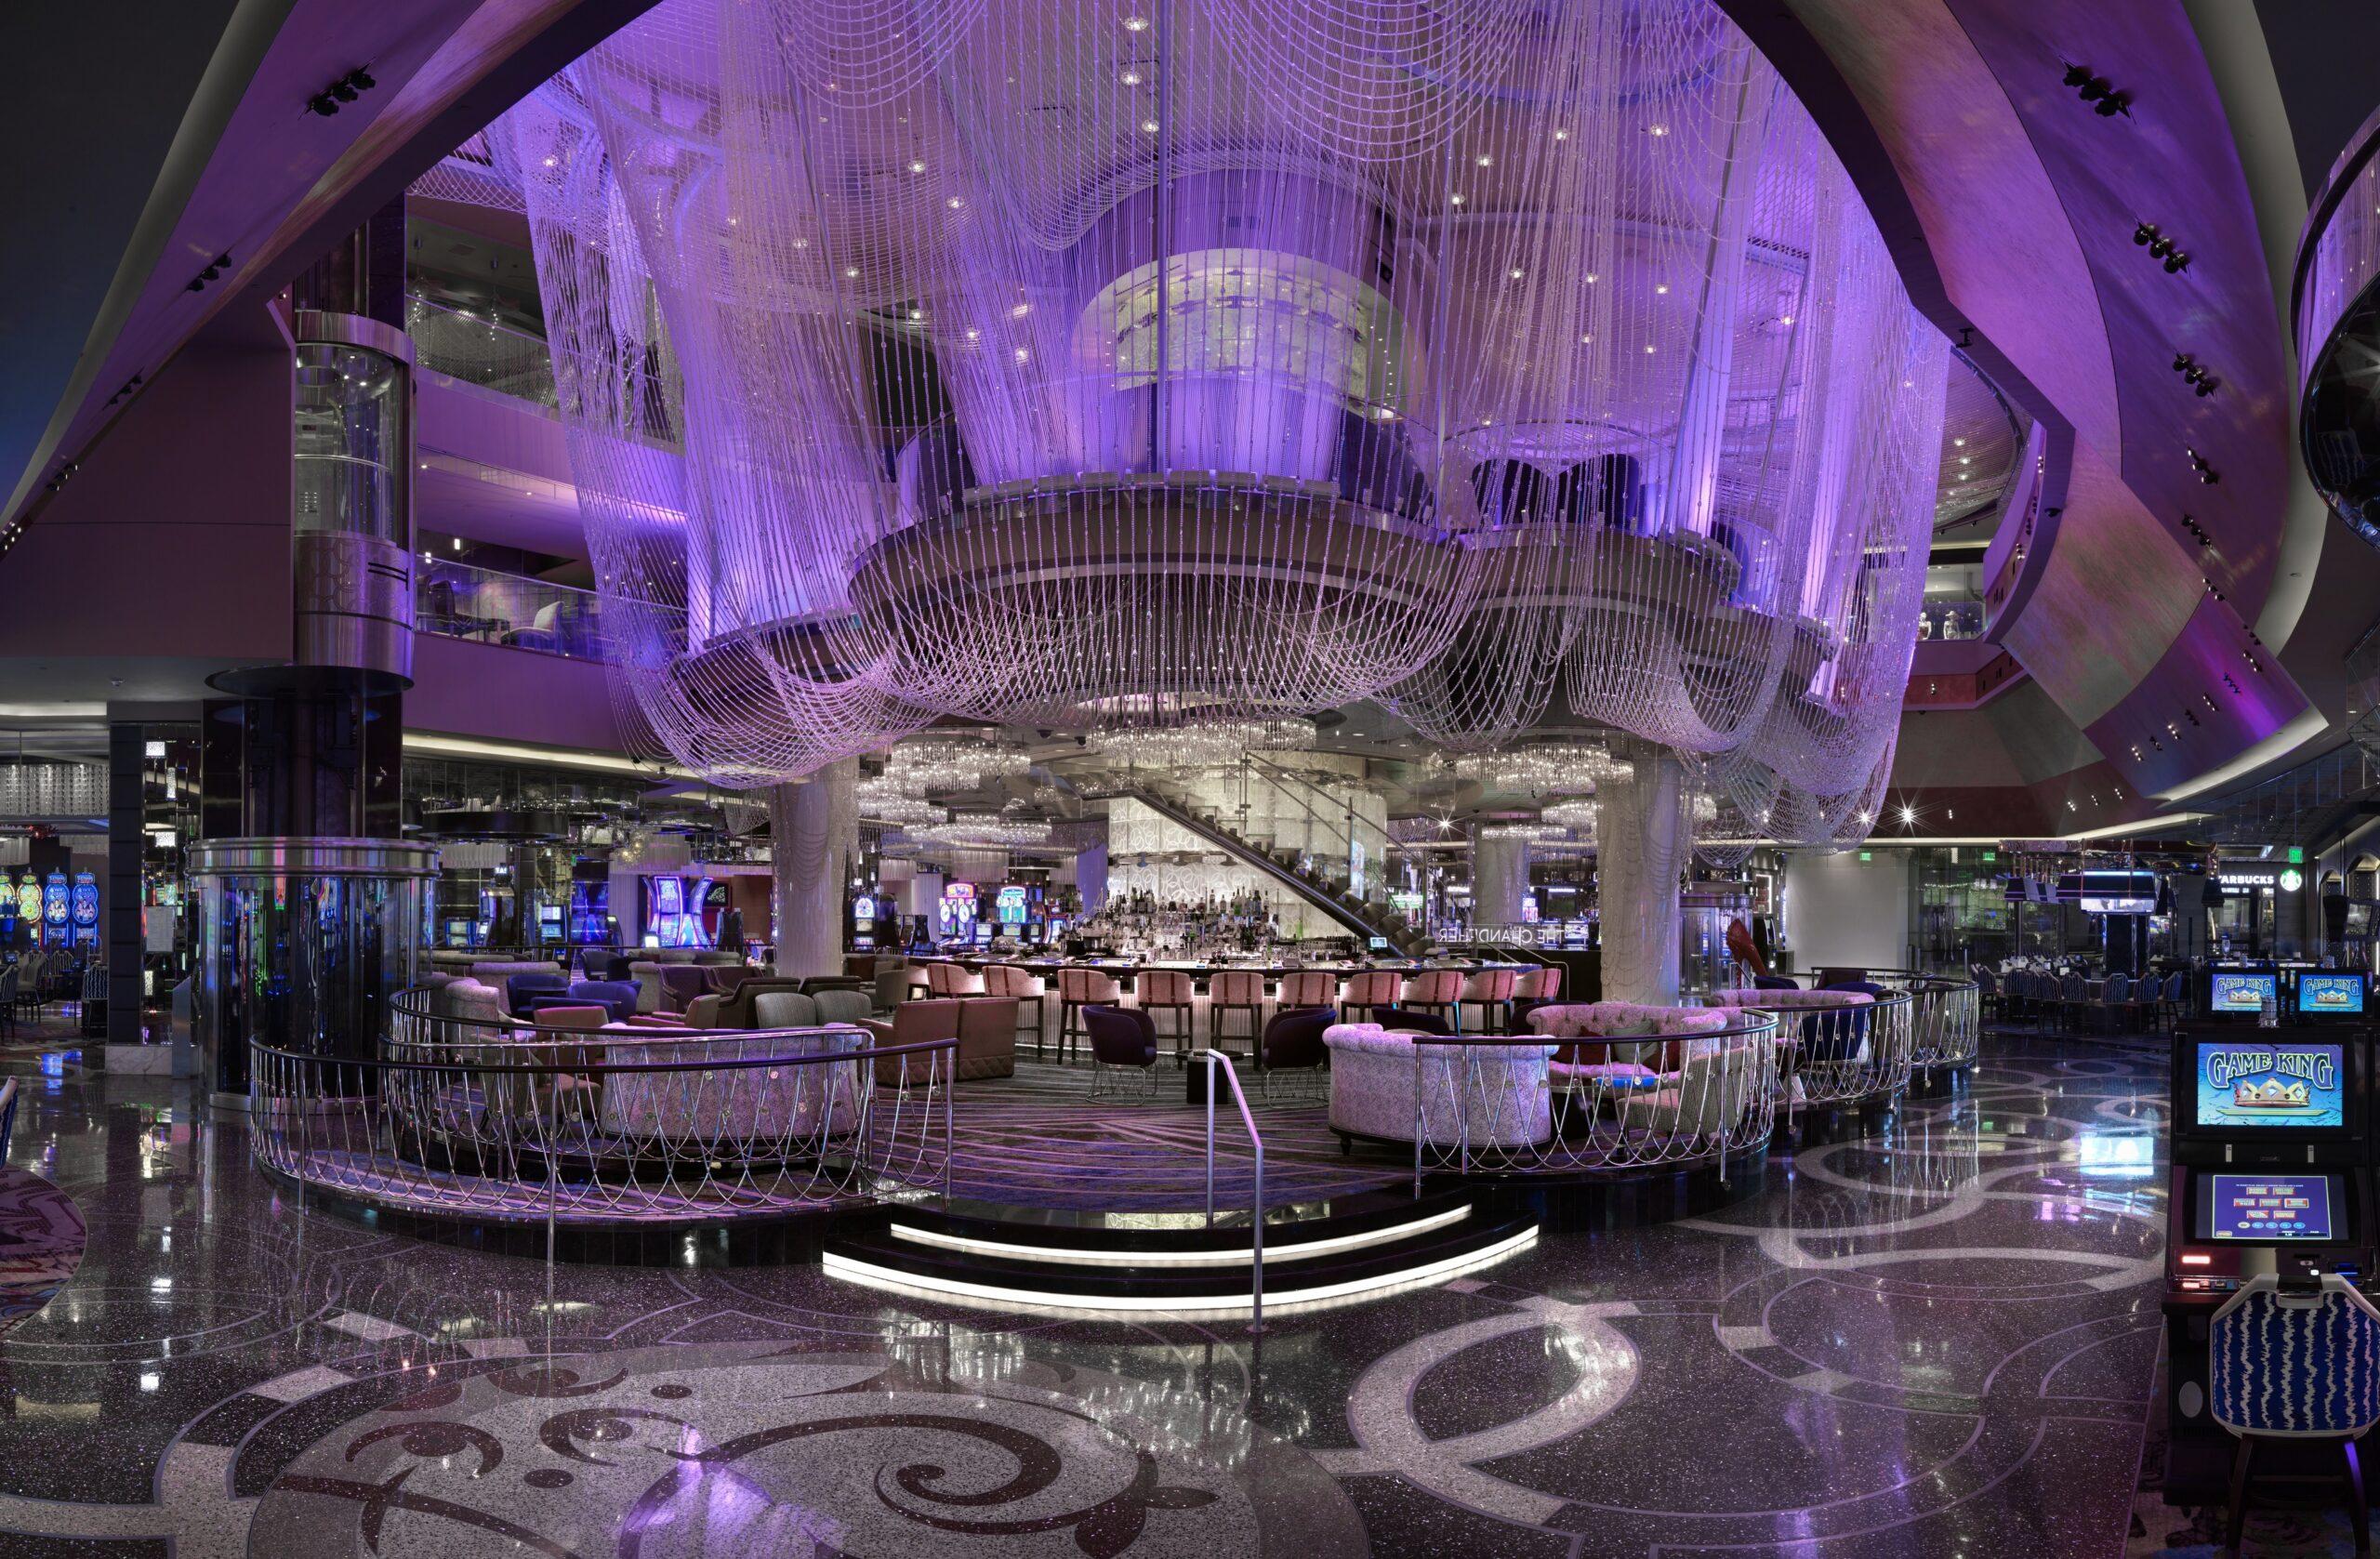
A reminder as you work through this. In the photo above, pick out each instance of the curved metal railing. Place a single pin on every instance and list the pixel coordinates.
(1532, 1105)
(1948, 1018)
(513, 1121)
(1856, 1053)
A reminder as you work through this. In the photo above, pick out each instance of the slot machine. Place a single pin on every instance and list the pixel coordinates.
(57, 911)
(86, 909)
(666, 919)
(2272, 1173)
(29, 905)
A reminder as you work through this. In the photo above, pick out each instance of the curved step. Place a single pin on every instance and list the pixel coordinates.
(1037, 1265)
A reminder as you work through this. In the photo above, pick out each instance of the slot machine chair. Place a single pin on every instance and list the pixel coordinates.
(2297, 1363)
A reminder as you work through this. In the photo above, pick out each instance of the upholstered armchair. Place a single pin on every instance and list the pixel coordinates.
(1120, 1036)
(1293, 1044)
(1485, 1097)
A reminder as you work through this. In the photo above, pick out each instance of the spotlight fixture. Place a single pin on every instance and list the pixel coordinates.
(2206, 473)
(198, 282)
(2097, 91)
(2160, 247)
(346, 89)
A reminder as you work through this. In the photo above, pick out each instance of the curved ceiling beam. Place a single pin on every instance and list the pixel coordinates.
(252, 174)
(2017, 203)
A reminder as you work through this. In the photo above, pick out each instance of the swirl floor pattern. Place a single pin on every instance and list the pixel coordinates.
(1939, 1341)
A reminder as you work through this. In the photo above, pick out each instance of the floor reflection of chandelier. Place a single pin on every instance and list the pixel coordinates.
(1451, 360)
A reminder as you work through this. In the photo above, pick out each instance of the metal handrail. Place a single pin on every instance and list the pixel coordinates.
(1256, 1212)
(464, 1115)
(1294, 785)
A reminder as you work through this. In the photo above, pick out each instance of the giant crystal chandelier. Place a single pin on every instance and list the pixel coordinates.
(1078, 366)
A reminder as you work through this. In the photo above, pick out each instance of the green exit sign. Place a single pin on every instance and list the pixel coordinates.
(1867, 855)
(2296, 855)
(1990, 855)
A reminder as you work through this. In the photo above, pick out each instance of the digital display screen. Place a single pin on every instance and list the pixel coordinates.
(2241, 992)
(2330, 993)
(2265, 1207)
(669, 896)
(2261, 1085)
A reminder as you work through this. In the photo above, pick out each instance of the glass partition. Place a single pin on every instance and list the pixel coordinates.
(461, 601)
(301, 943)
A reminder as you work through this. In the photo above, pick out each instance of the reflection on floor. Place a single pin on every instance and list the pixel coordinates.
(1939, 1342)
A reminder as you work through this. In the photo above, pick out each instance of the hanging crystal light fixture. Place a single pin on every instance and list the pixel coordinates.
(885, 800)
(1534, 832)
(1575, 817)
(1557, 768)
(985, 830)
(1452, 355)
(1203, 742)
(949, 760)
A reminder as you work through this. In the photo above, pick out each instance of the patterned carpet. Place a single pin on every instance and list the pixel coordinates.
(41, 1243)
(1038, 1139)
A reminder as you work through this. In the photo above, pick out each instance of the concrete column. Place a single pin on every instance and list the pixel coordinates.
(1644, 845)
(120, 907)
(813, 830)
(1498, 881)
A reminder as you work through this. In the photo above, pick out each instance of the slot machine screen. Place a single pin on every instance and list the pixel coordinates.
(2276, 1208)
(2265, 1085)
(2230, 992)
(2335, 994)
(87, 906)
(54, 910)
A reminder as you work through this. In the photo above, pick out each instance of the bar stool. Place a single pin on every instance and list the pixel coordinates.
(1168, 990)
(1026, 988)
(1488, 990)
(1541, 983)
(1369, 991)
(1308, 987)
(1235, 990)
(949, 980)
(1435, 991)
(1079, 988)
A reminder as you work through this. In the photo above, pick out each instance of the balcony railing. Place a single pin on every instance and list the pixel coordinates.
(459, 602)
(463, 346)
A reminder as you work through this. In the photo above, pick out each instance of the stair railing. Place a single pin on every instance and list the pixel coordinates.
(1256, 1200)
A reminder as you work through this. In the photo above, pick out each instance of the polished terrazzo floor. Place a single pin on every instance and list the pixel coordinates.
(1939, 1342)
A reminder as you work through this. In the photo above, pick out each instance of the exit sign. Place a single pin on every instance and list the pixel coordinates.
(1990, 855)
(2296, 854)
(1867, 855)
